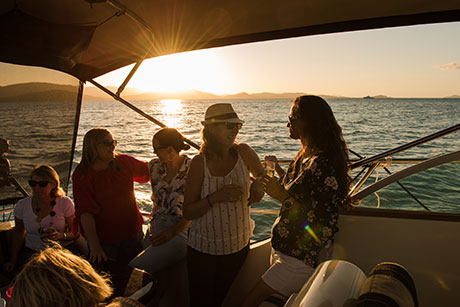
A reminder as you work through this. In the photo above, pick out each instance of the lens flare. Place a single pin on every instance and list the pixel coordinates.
(311, 232)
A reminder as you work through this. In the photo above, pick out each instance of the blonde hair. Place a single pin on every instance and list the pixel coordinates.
(48, 173)
(90, 142)
(56, 277)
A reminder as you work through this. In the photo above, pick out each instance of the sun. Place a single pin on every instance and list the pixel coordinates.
(196, 70)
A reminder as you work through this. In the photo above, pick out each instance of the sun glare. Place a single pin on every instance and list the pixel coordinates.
(200, 70)
(171, 106)
(171, 110)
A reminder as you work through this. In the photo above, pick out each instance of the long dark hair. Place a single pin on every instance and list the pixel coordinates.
(323, 133)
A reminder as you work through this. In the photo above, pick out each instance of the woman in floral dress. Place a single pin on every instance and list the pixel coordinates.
(165, 243)
(311, 192)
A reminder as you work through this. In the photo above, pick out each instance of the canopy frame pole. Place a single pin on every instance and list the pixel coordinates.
(128, 77)
(121, 8)
(137, 110)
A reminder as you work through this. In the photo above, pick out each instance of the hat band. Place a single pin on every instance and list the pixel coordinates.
(223, 116)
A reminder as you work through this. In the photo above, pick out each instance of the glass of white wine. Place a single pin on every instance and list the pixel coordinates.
(269, 166)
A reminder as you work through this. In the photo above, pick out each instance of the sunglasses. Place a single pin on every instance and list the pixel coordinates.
(231, 126)
(41, 184)
(291, 118)
(109, 143)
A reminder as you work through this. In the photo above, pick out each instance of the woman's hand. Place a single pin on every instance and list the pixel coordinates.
(273, 188)
(162, 236)
(51, 234)
(278, 169)
(97, 254)
(256, 192)
(228, 193)
(271, 158)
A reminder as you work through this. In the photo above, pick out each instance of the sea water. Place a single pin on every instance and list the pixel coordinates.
(369, 127)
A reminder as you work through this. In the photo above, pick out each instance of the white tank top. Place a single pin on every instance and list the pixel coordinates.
(226, 227)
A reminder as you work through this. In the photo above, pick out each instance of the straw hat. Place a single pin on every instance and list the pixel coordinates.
(221, 113)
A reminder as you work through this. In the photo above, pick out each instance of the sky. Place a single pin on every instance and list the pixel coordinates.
(416, 61)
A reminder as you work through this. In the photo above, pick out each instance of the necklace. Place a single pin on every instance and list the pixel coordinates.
(52, 212)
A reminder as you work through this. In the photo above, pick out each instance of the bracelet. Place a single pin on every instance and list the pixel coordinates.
(64, 236)
(209, 202)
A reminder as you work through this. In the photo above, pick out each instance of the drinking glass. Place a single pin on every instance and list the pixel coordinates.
(269, 168)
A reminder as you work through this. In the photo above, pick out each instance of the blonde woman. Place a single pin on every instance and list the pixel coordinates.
(217, 198)
(56, 277)
(103, 189)
(45, 216)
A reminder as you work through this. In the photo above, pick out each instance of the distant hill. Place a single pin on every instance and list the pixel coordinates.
(38, 91)
(41, 91)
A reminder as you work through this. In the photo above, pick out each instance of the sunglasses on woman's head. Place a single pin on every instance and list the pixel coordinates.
(41, 184)
(109, 143)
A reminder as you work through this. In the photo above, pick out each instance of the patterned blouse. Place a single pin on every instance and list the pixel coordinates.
(306, 231)
(167, 197)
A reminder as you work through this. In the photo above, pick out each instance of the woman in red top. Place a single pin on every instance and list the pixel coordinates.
(103, 189)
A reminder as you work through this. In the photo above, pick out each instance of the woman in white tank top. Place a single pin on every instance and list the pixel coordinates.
(217, 196)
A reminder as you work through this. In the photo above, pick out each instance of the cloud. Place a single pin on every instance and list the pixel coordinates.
(448, 66)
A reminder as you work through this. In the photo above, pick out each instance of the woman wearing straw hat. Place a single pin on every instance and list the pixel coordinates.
(217, 198)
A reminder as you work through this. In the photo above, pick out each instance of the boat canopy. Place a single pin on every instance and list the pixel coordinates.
(88, 38)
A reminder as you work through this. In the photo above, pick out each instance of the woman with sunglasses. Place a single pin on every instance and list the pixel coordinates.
(217, 199)
(103, 190)
(311, 192)
(45, 216)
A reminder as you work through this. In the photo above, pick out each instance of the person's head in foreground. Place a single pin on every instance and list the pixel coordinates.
(56, 277)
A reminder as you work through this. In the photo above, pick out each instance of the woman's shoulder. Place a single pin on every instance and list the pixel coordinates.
(197, 162)
(21, 205)
(78, 172)
(155, 162)
(124, 160)
(64, 200)
(243, 147)
(199, 158)
(22, 202)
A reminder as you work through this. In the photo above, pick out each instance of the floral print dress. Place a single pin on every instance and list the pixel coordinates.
(167, 196)
(306, 231)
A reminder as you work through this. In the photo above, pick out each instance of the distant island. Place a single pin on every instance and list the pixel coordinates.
(49, 92)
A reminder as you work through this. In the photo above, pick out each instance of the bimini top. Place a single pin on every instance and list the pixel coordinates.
(88, 38)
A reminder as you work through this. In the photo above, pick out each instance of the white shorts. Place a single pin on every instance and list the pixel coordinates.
(286, 274)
